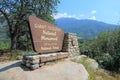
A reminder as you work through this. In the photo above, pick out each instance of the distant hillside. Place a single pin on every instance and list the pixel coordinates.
(84, 28)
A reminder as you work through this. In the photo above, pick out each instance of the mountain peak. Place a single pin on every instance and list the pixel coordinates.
(85, 28)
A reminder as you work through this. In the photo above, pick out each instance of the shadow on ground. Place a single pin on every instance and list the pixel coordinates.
(14, 65)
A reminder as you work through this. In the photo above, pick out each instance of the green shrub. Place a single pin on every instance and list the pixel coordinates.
(116, 59)
(4, 45)
(109, 62)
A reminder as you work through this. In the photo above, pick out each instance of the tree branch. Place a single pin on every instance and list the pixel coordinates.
(5, 15)
(8, 21)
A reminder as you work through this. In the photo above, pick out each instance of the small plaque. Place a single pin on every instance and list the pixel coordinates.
(46, 37)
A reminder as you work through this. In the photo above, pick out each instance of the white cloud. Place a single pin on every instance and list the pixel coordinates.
(93, 12)
(65, 15)
(92, 18)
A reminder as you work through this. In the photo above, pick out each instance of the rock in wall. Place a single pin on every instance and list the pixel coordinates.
(70, 44)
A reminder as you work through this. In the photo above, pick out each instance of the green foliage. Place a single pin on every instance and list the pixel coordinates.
(102, 43)
(84, 45)
(4, 45)
(116, 59)
(105, 49)
(109, 47)
(16, 12)
(105, 61)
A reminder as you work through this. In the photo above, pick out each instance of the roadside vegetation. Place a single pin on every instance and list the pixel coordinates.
(105, 49)
(98, 74)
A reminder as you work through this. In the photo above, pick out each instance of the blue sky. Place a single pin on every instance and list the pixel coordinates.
(102, 10)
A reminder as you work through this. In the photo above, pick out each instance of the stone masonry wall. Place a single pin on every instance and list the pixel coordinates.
(70, 44)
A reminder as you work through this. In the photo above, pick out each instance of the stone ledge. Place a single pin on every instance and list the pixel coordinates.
(66, 70)
(35, 61)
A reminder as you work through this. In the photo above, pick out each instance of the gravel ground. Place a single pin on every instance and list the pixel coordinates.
(65, 70)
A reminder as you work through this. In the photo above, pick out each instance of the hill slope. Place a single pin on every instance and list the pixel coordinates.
(84, 28)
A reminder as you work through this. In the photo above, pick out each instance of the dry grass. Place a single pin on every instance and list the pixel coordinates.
(5, 57)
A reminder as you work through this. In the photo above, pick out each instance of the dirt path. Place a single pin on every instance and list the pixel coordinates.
(65, 70)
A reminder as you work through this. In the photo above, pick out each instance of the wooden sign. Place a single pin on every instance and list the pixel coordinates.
(46, 37)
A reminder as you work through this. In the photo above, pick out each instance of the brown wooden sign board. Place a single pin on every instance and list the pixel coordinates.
(46, 37)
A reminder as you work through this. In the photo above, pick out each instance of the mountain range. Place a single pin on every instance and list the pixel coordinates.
(83, 28)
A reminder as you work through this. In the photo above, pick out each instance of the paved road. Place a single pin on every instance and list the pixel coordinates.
(65, 70)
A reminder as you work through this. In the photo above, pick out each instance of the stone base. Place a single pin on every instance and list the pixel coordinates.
(34, 61)
(70, 44)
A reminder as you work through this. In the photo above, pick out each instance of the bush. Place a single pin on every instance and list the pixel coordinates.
(105, 50)
(116, 59)
(4, 45)
(109, 62)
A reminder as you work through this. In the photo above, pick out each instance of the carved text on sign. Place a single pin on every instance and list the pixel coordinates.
(46, 37)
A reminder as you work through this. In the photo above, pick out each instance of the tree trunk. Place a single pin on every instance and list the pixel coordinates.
(13, 42)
